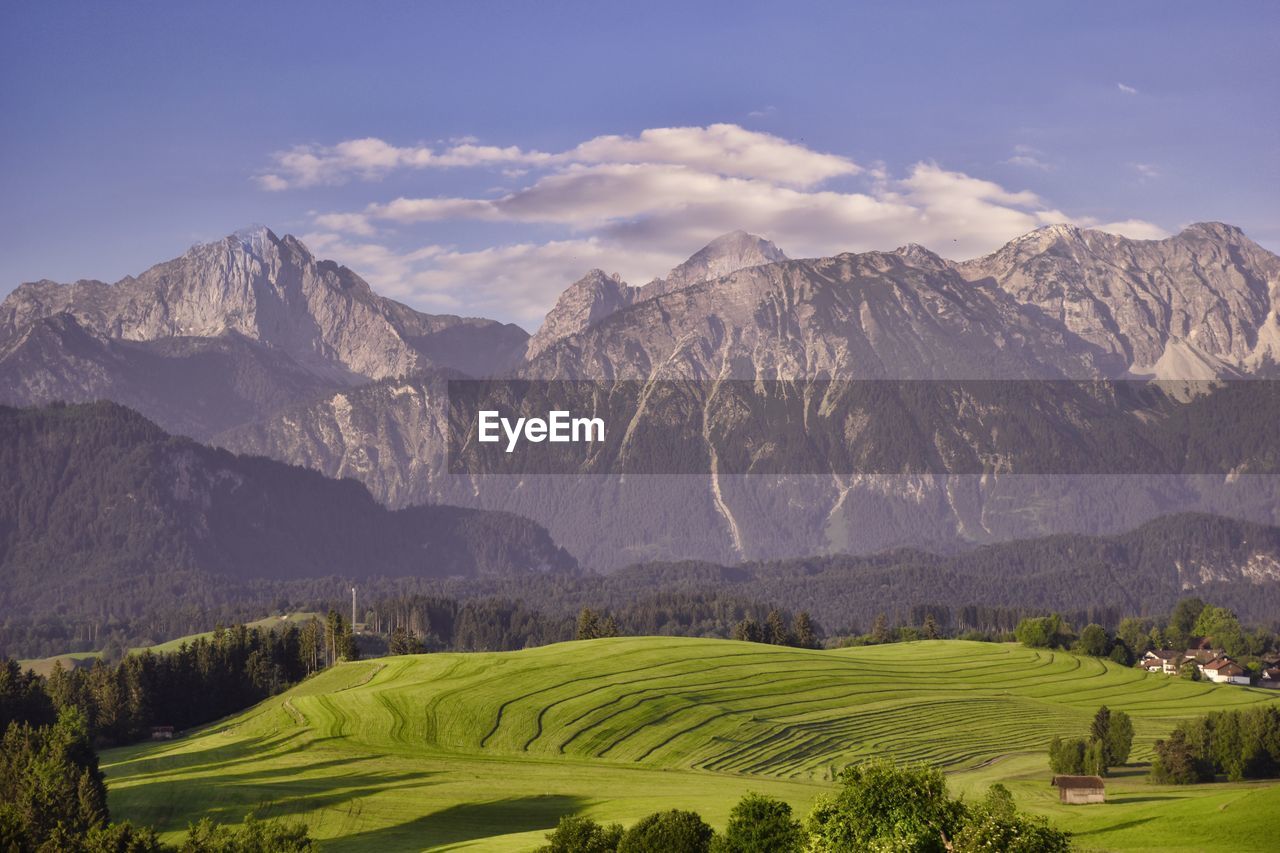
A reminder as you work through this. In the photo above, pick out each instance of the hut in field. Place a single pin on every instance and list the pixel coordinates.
(1079, 790)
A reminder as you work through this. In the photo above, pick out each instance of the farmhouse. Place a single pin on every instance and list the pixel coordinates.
(1224, 670)
(162, 732)
(1162, 660)
(1080, 790)
(1212, 664)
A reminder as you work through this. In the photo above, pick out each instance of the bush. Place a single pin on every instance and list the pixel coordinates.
(672, 831)
(760, 824)
(110, 838)
(883, 806)
(582, 835)
(995, 824)
(256, 836)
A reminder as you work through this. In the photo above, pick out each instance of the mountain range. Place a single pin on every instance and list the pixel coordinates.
(254, 345)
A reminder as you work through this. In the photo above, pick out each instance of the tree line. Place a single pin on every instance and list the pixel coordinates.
(1240, 745)
(204, 680)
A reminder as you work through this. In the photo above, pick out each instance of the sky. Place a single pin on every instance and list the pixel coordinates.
(476, 158)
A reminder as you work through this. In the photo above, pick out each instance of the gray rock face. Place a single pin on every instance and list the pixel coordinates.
(904, 314)
(1184, 307)
(272, 291)
(226, 334)
(597, 296)
(191, 386)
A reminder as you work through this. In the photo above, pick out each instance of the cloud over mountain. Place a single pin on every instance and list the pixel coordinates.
(639, 204)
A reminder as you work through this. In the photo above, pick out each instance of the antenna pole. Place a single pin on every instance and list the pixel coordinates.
(353, 609)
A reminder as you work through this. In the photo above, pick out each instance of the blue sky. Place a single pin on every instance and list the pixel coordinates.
(528, 142)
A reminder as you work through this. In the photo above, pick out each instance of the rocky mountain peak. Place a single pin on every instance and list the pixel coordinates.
(726, 254)
(587, 301)
(1210, 291)
(272, 291)
(1214, 231)
(254, 238)
(918, 256)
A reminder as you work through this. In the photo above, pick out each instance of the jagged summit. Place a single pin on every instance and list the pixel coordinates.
(598, 295)
(726, 254)
(588, 300)
(1214, 230)
(274, 292)
(1209, 289)
(254, 235)
(917, 255)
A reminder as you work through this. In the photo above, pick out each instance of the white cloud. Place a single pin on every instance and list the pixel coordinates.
(352, 223)
(724, 148)
(1128, 90)
(372, 159)
(640, 204)
(1134, 229)
(1147, 170)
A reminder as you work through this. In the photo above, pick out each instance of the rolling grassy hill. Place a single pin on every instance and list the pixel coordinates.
(453, 749)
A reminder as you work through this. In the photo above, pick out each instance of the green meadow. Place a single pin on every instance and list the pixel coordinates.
(487, 750)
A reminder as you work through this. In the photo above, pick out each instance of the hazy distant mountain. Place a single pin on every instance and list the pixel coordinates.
(263, 299)
(100, 506)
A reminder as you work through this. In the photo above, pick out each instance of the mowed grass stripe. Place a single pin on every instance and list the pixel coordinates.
(490, 749)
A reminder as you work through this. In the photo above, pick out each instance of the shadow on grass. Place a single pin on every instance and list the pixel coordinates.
(1128, 824)
(464, 823)
(273, 792)
(153, 759)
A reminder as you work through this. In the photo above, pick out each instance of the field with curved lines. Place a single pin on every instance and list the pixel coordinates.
(489, 749)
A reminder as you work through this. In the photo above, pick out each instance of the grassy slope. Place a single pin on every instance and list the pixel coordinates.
(405, 753)
(44, 666)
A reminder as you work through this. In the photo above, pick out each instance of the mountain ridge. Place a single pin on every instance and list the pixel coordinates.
(97, 498)
(1058, 303)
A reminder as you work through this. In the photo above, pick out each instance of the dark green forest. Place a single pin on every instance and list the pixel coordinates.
(103, 516)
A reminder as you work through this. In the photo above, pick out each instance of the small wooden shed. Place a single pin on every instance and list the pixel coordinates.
(1079, 790)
